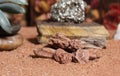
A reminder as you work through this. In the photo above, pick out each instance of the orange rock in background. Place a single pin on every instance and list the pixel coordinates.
(42, 6)
(42, 9)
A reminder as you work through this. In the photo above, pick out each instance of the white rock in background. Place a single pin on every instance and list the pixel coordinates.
(117, 34)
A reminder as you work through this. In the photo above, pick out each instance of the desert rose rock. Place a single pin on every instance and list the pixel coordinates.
(74, 45)
(65, 50)
(62, 57)
(81, 56)
(61, 41)
(84, 55)
(44, 52)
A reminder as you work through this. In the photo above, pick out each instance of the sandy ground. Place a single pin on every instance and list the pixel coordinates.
(20, 62)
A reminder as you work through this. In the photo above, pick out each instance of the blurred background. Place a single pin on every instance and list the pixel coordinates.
(106, 12)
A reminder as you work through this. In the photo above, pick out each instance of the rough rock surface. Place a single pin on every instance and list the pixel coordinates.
(65, 50)
(81, 56)
(61, 41)
(62, 57)
(68, 10)
(74, 45)
(44, 52)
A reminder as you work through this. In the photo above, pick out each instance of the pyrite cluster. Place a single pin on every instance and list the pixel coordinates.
(68, 10)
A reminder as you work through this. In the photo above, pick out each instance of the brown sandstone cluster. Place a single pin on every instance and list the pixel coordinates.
(65, 50)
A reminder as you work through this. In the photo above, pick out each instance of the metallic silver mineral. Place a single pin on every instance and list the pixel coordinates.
(68, 11)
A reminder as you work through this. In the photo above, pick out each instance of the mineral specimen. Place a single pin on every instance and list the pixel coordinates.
(44, 52)
(65, 50)
(62, 57)
(68, 10)
(61, 41)
(81, 56)
(84, 55)
(74, 45)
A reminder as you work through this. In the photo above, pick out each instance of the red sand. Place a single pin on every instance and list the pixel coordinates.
(19, 62)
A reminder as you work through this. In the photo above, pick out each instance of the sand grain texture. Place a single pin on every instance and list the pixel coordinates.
(21, 62)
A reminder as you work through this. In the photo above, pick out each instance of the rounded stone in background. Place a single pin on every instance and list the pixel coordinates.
(10, 42)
